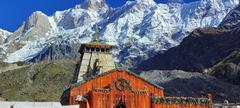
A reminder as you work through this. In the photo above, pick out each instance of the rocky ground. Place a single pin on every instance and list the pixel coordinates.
(180, 83)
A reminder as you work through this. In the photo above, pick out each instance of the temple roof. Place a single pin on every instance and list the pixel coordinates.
(114, 70)
(95, 43)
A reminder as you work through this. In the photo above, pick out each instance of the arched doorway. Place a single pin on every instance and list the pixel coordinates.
(121, 104)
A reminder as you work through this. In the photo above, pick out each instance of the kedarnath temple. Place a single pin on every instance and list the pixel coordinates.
(99, 83)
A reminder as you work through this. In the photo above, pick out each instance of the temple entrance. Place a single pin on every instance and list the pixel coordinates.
(121, 104)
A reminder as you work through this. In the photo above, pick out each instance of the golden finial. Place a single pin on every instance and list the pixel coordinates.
(96, 35)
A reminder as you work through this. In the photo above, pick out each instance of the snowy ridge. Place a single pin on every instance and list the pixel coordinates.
(3, 35)
(139, 28)
(232, 19)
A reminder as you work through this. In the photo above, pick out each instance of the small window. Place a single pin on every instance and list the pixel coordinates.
(97, 49)
(102, 50)
(107, 50)
(92, 49)
(87, 49)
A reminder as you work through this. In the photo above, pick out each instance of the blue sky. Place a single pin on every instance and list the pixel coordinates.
(14, 12)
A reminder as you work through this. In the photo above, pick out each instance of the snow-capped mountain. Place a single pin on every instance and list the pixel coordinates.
(139, 28)
(3, 35)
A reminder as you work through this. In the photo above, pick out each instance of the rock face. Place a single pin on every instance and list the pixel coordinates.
(232, 20)
(35, 27)
(210, 50)
(228, 69)
(203, 48)
(57, 52)
(180, 83)
(3, 35)
(139, 28)
(2, 54)
(99, 5)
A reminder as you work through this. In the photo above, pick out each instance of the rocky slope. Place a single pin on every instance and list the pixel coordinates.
(228, 69)
(180, 83)
(43, 81)
(139, 28)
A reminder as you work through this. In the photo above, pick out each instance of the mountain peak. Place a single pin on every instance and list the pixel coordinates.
(1, 30)
(4, 32)
(3, 35)
(36, 19)
(147, 2)
(98, 5)
(38, 13)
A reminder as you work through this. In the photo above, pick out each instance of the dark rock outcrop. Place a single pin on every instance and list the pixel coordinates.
(228, 69)
(194, 84)
(57, 52)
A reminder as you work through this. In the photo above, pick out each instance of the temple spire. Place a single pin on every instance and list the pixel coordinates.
(96, 35)
(96, 58)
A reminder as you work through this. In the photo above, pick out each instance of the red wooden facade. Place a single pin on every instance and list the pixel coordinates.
(122, 89)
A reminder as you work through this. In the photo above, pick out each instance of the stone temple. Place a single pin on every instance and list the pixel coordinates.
(99, 83)
(95, 59)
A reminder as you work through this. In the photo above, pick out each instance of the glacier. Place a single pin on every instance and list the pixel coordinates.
(139, 28)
